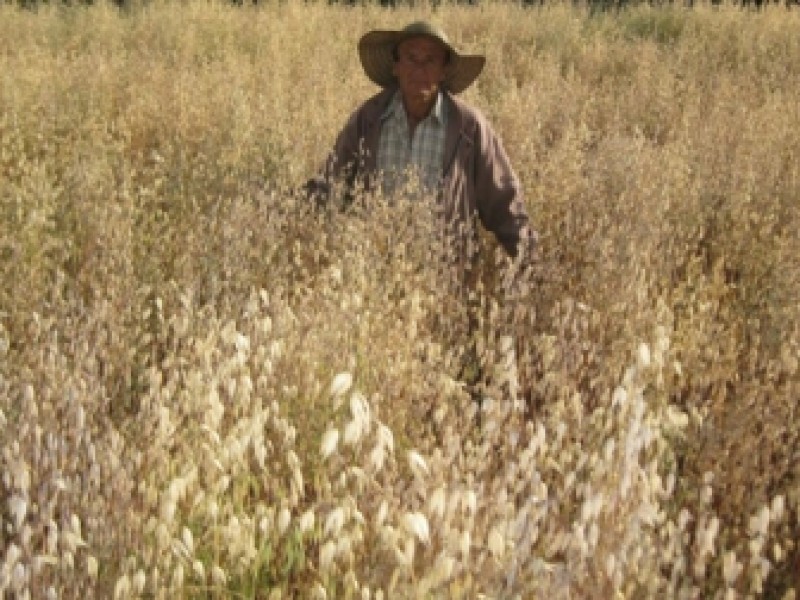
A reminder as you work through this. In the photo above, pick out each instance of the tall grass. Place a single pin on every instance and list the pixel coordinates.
(208, 389)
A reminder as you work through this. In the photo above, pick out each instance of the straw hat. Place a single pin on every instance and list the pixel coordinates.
(376, 51)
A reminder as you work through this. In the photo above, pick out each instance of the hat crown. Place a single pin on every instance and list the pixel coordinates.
(423, 28)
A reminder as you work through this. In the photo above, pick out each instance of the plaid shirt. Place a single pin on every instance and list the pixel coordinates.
(400, 155)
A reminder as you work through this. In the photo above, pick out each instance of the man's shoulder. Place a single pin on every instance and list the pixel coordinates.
(373, 107)
(471, 117)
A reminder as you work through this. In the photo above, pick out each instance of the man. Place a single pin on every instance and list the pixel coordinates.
(417, 124)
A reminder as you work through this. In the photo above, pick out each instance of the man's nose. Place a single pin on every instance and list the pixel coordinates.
(420, 64)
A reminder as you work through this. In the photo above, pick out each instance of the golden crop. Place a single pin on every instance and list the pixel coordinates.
(208, 389)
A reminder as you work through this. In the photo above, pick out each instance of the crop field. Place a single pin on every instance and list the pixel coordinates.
(212, 388)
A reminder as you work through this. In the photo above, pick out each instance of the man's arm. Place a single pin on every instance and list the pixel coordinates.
(341, 164)
(499, 198)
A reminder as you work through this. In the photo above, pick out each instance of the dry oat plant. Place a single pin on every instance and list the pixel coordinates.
(210, 388)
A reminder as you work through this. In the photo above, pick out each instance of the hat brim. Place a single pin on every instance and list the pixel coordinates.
(375, 51)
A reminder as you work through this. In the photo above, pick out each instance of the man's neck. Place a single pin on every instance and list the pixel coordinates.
(418, 113)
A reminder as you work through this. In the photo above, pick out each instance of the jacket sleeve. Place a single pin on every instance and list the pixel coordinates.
(499, 198)
(342, 164)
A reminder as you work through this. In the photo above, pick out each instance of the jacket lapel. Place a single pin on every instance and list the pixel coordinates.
(457, 133)
(370, 128)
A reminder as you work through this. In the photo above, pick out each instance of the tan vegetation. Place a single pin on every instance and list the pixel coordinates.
(209, 390)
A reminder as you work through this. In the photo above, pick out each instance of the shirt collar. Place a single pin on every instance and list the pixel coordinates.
(395, 109)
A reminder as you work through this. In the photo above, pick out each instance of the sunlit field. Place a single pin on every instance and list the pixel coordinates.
(210, 388)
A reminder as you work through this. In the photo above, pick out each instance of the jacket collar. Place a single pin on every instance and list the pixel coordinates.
(460, 125)
(395, 108)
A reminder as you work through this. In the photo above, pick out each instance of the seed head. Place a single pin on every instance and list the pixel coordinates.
(122, 589)
(18, 506)
(385, 437)
(19, 577)
(198, 569)
(218, 575)
(496, 542)
(731, 568)
(334, 522)
(418, 465)
(437, 503)
(91, 567)
(188, 540)
(340, 385)
(377, 457)
(138, 582)
(307, 521)
(326, 555)
(284, 518)
(318, 592)
(329, 442)
(643, 356)
(778, 505)
(417, 525)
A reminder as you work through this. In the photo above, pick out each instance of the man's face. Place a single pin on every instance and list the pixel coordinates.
(420, 67)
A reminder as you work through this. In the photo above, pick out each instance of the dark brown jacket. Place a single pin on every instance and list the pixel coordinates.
(478, 180)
